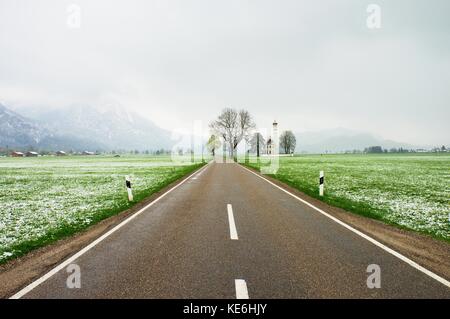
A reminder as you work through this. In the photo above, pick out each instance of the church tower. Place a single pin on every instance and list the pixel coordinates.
(272, 142)
(275, 139)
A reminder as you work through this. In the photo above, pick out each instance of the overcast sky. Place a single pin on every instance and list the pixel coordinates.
(309, 64)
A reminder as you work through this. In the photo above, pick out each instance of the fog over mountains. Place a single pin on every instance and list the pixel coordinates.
(19, 132)
(80, 128)
(109, 128)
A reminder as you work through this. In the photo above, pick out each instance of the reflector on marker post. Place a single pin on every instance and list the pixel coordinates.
(128, 183)
(321, 180)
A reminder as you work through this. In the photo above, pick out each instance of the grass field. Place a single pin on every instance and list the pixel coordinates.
(44, 199)
(410, 191)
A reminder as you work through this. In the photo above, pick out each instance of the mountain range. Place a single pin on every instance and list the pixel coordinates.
(80, 128)
(109, 128)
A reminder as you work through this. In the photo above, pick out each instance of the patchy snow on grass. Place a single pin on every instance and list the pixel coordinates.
(410, 190)
(41, 198)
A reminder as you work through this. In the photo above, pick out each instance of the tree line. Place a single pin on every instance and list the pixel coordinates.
(379, 149)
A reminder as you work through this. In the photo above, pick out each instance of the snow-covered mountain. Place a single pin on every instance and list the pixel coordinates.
(106, 128)
(114, 127)
(18, 131)
(341, 139)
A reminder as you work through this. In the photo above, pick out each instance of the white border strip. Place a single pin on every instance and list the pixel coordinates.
(68, 261)
(241, 289)
(373, 241)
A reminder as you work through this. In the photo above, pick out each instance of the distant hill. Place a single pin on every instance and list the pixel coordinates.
(18, 131)
(114, 127)
(341, 140)
(80, 128)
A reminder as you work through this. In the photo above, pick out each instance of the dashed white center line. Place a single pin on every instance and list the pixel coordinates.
(241, 289)
(233, 231)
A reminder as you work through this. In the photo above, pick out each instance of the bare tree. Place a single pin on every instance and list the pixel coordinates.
(233, 126)
(287, 142)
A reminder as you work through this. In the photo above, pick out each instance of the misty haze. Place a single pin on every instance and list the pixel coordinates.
(224, 149)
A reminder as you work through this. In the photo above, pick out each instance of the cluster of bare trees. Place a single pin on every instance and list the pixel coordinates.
(288, 142)
(233, 126)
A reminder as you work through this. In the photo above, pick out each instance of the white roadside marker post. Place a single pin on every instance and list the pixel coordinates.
(128, 184)
(321, 180)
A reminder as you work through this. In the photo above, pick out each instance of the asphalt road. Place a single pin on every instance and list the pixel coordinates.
(226, 224)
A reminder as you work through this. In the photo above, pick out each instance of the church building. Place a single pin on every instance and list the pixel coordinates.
(272, 143)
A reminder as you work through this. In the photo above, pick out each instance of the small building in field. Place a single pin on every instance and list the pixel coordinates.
(31, 154)
(17, 154)
(271, 147)
(88, 153)
(61, 153)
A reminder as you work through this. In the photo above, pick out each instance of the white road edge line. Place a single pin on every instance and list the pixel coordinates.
(233, 231)
(68, 261)
(241, 289)
(373, 241)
